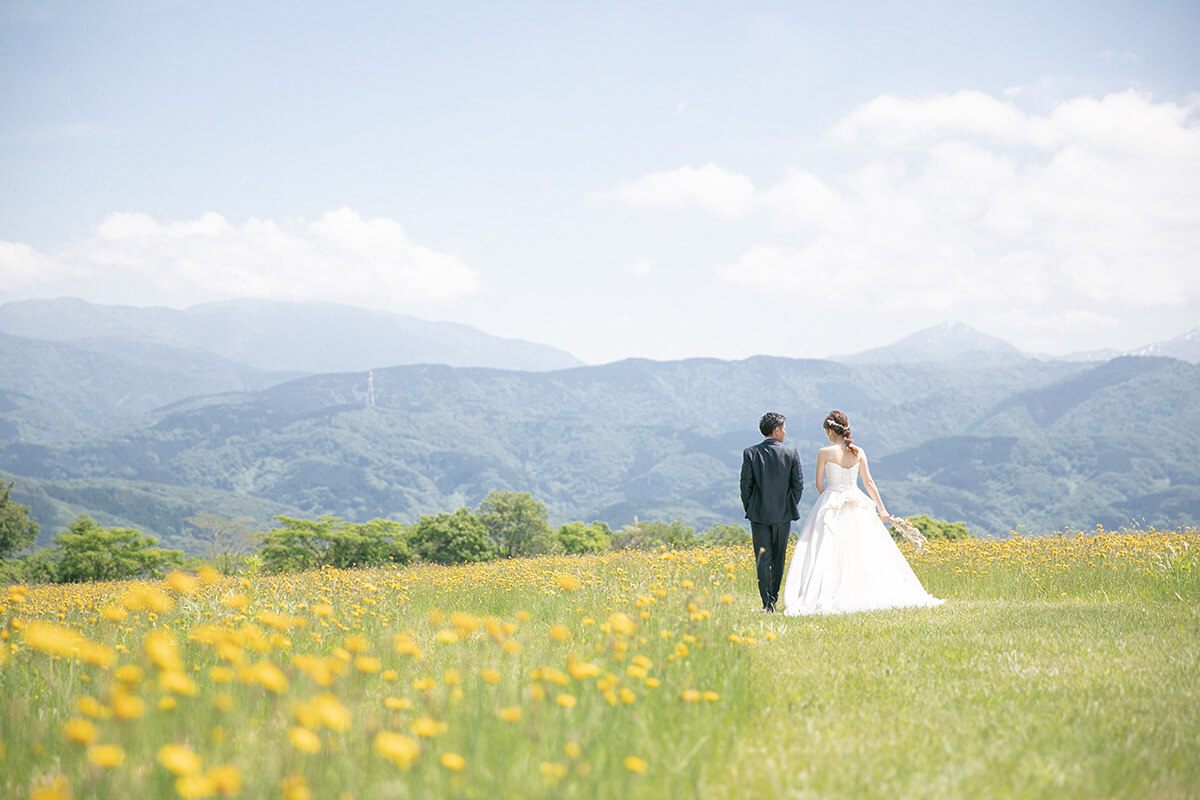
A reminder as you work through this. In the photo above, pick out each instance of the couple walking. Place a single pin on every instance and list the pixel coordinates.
(844, 560)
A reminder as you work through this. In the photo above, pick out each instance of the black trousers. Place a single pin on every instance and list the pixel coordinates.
(770, 549)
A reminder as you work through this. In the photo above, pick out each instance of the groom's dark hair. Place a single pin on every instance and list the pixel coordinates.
(769, 422)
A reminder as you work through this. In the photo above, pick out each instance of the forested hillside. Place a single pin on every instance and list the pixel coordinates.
(1032, 444)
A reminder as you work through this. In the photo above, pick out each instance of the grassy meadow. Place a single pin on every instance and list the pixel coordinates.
(1061, 667)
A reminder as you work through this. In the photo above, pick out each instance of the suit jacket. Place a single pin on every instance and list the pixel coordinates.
(771, 482)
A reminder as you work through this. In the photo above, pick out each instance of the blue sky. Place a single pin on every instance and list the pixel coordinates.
(628, 179)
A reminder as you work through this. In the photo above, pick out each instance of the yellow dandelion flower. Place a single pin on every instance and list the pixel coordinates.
(368, 664)
(181, 582)
(559, 632)
(453, 761)
(194, 787)
(167, 702)
(127, 706)
(553, 769)
(627, 696)
(305, 740)
(105, 755)
(464, 623)
(451, 677)
(270, 677)
(114, 613)
(295, 787)
(80, 731)
(208, 575)
(510, 713)
(568, 582)
(128, 673)
(447, 636)
(398, 747)
(236, 600)
(691, 696)
(427, 728)
(55, 788)
(573, 750)
(635, 764)
(398, 703)
(333, 714)
(490, 675)
(91, 707)
(179, 759)
(622, 624)
(566, 700)
(177, 682)
(582, 670)
(405, 646)
(711, 696)
(160, 646)
(226, 779)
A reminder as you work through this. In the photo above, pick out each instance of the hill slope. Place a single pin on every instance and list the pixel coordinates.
(296, 337)
(100, 381)
(650, 439)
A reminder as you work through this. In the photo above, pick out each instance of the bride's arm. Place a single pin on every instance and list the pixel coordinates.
(872, 490)
(819, 476)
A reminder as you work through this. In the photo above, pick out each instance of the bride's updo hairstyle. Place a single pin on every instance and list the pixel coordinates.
(839, 423)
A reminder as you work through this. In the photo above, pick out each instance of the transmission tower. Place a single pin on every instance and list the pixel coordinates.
(371, 388)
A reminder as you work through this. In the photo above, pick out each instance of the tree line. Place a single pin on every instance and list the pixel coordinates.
(503, 525)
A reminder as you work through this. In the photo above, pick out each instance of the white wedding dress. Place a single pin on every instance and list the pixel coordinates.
(845, 559)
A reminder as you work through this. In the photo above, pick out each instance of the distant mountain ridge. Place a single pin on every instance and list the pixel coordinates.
(957, 342)
(943, 343)
(1185, 347)
(278, 336)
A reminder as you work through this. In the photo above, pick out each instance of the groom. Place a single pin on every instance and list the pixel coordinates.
(771, 487)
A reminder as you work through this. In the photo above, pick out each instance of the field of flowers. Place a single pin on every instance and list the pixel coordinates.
(1066, 666)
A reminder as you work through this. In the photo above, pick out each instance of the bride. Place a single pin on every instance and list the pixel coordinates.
(845, 560)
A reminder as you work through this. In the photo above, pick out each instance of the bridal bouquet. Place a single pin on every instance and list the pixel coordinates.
(909, 531)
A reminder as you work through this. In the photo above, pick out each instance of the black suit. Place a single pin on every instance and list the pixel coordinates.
(771, 487)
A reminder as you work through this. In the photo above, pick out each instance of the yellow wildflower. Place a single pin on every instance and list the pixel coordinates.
(179, 759)
(80, 731)
(181, 582)
(398, 747)
(635, 764)
(305, 740)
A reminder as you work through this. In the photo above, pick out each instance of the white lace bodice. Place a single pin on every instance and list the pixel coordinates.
(839, 479)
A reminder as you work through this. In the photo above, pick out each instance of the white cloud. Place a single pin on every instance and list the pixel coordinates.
(21, 266)
(894, 122)
(639, 266)
(967, 205)
(340, 257)
(709, 187)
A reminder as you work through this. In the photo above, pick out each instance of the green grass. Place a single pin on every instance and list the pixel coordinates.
(1059, 668)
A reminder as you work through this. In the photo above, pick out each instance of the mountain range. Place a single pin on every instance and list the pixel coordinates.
(282, 337)
(137, 430)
